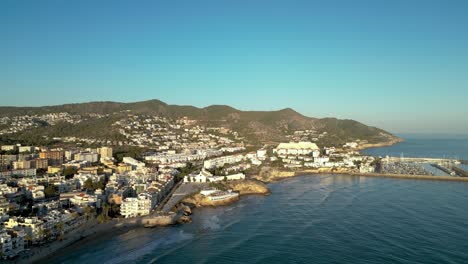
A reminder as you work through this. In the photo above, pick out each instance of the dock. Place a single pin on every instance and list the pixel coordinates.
(460, 172)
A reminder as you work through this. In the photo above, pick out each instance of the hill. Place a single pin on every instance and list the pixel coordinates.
(257, 127)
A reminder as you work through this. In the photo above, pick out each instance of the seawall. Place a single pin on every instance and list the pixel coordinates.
(399, 176)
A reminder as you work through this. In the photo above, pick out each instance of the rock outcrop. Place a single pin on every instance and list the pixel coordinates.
(199, 200)
(269, 174)
(247, 187)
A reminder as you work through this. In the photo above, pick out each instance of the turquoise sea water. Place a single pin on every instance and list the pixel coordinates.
(310, 219)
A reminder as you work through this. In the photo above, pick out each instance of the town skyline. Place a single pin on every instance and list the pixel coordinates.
(399, 66)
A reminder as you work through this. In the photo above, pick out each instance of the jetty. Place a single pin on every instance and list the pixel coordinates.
(390, 175)
(460, 172)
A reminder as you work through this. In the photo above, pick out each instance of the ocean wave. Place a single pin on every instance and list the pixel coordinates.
(134, 255)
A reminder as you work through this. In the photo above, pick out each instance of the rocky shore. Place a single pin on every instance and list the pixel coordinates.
(270, 174)
(390, 142)
(244, 187)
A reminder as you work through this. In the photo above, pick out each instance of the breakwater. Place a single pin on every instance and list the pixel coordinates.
(399, 176)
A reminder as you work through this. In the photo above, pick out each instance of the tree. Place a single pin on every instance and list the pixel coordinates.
(28, 240)
(59, 228)
(102, 218)
(115, 210)
(99, 185)
(88, 184)
(89, 212)
(50, 191)
(105, 209)
(69, 172)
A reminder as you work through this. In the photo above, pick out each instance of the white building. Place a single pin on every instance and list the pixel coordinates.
(321, 160)
(221, 161)
(105, 152)
(9, 147)
(82, 199)
(26, 149)
(87, 156)
(139, 206)
(351, 145)
(316, 153)
(261, 154)
(200, 177)
(293, 148)
(233, 177)
(135, 163)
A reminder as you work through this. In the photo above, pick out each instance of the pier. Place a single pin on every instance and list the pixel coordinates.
(460, 172)
(442, 168)
(422, 160)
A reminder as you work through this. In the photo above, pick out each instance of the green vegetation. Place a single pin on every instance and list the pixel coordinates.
(50, 191)
(218, 185)
(128, 151)
(90, 185)
(255, 126)
(185, 171)
(69, 172)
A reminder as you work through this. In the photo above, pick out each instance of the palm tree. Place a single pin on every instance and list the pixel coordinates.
(89, 211)
(59, 227)
(105, 209)
(28, 239)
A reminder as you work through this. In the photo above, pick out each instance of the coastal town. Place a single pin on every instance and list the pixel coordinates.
(49, 192)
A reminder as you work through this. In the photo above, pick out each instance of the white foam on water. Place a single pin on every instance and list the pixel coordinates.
(211, 223)
(133, 255)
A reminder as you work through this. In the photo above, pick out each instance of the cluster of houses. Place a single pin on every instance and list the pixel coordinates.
(58, 202)
(60, 189)
(304, 154)
(19, 123)
(182, 134)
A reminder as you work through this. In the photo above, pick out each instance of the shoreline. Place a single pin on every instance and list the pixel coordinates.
(389, 175)
(87, 232)
(95, 230)
(278, 175)
(116, 227)
(380, 145)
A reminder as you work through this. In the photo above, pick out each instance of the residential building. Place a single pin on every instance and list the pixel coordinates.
(55, 158)
(87, 156)
(139, 206)
(221, 161)
(293, 148)
(105, 152)
(135, 163)
(9, 148)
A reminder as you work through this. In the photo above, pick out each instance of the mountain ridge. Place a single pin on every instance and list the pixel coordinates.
(256, 126)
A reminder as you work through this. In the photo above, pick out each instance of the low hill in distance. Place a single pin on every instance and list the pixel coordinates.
(258, 127)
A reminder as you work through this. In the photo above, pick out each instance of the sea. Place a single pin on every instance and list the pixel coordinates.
(312, 219)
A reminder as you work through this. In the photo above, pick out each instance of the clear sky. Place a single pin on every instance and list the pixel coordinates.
(401, 65)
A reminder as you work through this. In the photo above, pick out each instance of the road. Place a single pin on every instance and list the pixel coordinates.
(182, 191)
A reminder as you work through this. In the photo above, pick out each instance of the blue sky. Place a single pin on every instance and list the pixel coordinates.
(400, 65)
